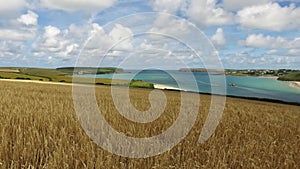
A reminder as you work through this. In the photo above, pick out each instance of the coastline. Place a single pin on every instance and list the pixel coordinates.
(165, 87)
(295, 84)
(269, 77)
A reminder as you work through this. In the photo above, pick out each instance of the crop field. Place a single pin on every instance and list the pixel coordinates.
(39, 129)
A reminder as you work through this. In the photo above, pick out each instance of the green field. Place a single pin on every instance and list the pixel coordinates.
(65, 75)
(293, 76)
(87, 70)
(13, 75)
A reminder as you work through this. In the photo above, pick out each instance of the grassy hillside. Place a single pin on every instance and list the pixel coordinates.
(87, 70)
(39, 129)
(36, 74)
(292, 76)
(17, 75)
(65, 75)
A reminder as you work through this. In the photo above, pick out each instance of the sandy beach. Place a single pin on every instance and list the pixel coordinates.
(269, 77)
(295, 84)
(164, 87)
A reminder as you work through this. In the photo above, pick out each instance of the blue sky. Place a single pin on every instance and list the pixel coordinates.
(244, 34)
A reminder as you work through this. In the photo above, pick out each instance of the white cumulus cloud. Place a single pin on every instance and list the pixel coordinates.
(17, 35)
(78, 5)
(21, 29)
(270, 16)
(122, 35)
(294, 52)
(206, 12)
(56, 43)
(202, 12)
(11, 8)
(170, 6)
(30, 18)
(66, 44)
(168, 25)
(244, 60)
(261, 41)
(240, 4)
(218, 39)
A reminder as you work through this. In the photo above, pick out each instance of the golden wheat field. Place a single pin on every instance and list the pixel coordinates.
(39, 129)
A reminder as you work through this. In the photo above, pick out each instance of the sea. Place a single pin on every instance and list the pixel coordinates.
(214, 83)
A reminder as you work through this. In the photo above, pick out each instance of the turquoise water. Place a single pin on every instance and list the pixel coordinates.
(246, 86)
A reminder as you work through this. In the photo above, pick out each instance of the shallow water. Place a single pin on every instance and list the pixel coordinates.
(202, 82)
